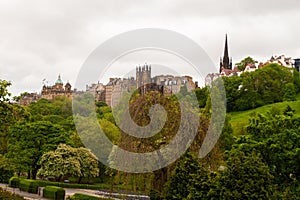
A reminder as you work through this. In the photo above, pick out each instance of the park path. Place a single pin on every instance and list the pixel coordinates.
(71, 191)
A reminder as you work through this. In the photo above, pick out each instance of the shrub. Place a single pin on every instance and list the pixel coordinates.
(54, 192)
(5, 175)
(30, 186)
(6, 195)
(42, 183)
(14, 182)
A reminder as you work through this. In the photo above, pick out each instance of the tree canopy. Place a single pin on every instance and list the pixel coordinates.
(69, 161)
(243, 63)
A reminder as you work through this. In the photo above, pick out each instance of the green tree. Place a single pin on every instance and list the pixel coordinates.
(60, 106)
(243, 63)
(178, 185)
(202, 95)
(276, 137)
(88, 163)
(258, 88)
(245, 177)
(199, 185)
(6, 169)
(10, 114)
(69, 161)
(28, 142)
(290, 92)
(61, 162)
(296, 77)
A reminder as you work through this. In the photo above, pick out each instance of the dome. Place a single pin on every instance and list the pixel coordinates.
(59, 81)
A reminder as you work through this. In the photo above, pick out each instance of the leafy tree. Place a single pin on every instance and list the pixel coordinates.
(110, 130)
(28, 142)
(199, 185)
(226, 139)
(276, 138)
(178, 185)
(296, 77)
(245, 177)
(69, 161)
(6, 169)
(88, 163)
(10, 114)
(60, 106)
(61, 162)
(202, 95)
(290, 93)
(243, 63)
(258, 88)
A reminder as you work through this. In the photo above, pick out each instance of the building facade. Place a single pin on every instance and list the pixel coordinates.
(58, 89)
(112, 92)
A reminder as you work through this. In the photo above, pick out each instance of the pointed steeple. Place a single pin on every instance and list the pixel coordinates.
(226, 48)
(226, 57)
(225, 62)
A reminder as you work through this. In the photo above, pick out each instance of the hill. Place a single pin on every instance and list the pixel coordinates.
(239, 120)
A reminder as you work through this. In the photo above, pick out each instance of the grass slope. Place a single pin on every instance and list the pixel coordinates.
(239, 120)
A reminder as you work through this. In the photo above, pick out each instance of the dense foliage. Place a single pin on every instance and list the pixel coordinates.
(6, 195)
(67, 161)
(263, 162)
(53, 192)
(270, 84)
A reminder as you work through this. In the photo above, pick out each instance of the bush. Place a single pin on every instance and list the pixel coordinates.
(54, 192)
(5, 175)
(154, 195)
(30, 186)
(14, 182)
(42, 183)
(78, 196)
(6, 195)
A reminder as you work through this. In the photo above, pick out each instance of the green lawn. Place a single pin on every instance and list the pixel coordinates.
(239, 120)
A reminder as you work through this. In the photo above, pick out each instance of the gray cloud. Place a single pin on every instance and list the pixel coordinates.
(40, 39)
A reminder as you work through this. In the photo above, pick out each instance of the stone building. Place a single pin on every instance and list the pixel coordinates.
(172, 84)
(58, 89)
(112, 92)
(115, 89)
(98, 90)
(143, 78)
(28, 98)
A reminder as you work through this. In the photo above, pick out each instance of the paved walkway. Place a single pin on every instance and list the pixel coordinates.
(71, 191)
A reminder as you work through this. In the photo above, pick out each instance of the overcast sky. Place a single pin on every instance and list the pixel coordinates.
(40, 39)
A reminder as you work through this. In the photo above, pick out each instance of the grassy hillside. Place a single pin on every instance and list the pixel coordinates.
(239, 120)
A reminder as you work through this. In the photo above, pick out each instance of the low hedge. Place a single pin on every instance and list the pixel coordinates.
(14, 182)
(42, 183)
(54, 192)
(79, 196)
(30, 186)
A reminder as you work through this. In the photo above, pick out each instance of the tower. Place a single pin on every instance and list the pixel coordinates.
(225, 63)
(143, 75)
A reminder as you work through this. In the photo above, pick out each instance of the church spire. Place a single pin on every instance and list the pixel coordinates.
(226, 48)
(225, 62)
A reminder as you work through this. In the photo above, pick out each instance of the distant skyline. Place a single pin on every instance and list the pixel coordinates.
(41, 39)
